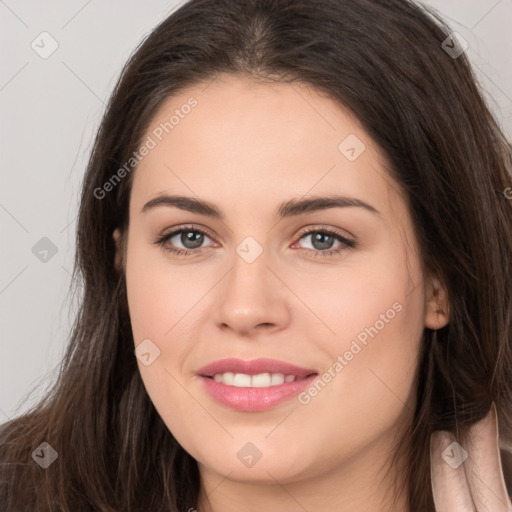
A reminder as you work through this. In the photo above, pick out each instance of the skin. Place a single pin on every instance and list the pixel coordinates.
(247, 147)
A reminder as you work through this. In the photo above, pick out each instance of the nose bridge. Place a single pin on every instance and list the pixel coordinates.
(249, 267)
(248, 280)
(251, 296)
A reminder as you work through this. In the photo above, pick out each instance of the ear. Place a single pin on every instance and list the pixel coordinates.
(119, 255)
(437, 307)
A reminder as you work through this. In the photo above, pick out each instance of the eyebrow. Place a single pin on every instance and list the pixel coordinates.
(291, 208)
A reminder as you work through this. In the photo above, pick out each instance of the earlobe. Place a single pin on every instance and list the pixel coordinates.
(437, 306)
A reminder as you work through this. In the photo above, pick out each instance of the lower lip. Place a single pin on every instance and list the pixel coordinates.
(255, 399)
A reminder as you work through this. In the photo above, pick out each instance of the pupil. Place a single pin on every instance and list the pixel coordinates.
(191, 237)
(321, 238)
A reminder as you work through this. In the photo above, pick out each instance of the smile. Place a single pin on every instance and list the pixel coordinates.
(253, 386)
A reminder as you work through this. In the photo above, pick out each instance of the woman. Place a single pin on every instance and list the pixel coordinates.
(294, 238)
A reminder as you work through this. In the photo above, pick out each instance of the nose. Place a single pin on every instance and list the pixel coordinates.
(252, 299)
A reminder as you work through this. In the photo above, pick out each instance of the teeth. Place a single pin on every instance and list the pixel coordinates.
(229, 379)
(262, 380)
(242, 380)
(277, 378)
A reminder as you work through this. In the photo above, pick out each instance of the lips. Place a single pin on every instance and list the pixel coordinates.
(254, 385)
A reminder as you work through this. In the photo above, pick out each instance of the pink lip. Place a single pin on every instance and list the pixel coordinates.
(254, 399)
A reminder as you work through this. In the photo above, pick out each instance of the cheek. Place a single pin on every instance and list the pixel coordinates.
(369, 388)
(158, 298)
(158, 303)
(377, 314)
(164, 302)
(376, 296)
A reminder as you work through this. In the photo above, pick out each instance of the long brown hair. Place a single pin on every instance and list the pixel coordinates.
(383, 60)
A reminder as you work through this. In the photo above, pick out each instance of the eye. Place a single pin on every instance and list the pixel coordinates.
(190, 237)
(323, 239)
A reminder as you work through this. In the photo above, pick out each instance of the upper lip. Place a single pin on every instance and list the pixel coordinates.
(253, 367)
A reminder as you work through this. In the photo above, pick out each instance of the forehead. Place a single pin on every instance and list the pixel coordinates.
(253, 141)
(244, 114)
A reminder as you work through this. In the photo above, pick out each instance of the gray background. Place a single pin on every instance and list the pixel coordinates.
(51, 108)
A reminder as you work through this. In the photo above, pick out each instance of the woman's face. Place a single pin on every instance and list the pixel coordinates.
(301, 251)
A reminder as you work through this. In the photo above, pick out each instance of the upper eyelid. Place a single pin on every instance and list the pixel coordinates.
(322, 227)
(188, 227)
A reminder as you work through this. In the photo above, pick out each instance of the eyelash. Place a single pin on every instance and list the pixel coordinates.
(346, 243)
